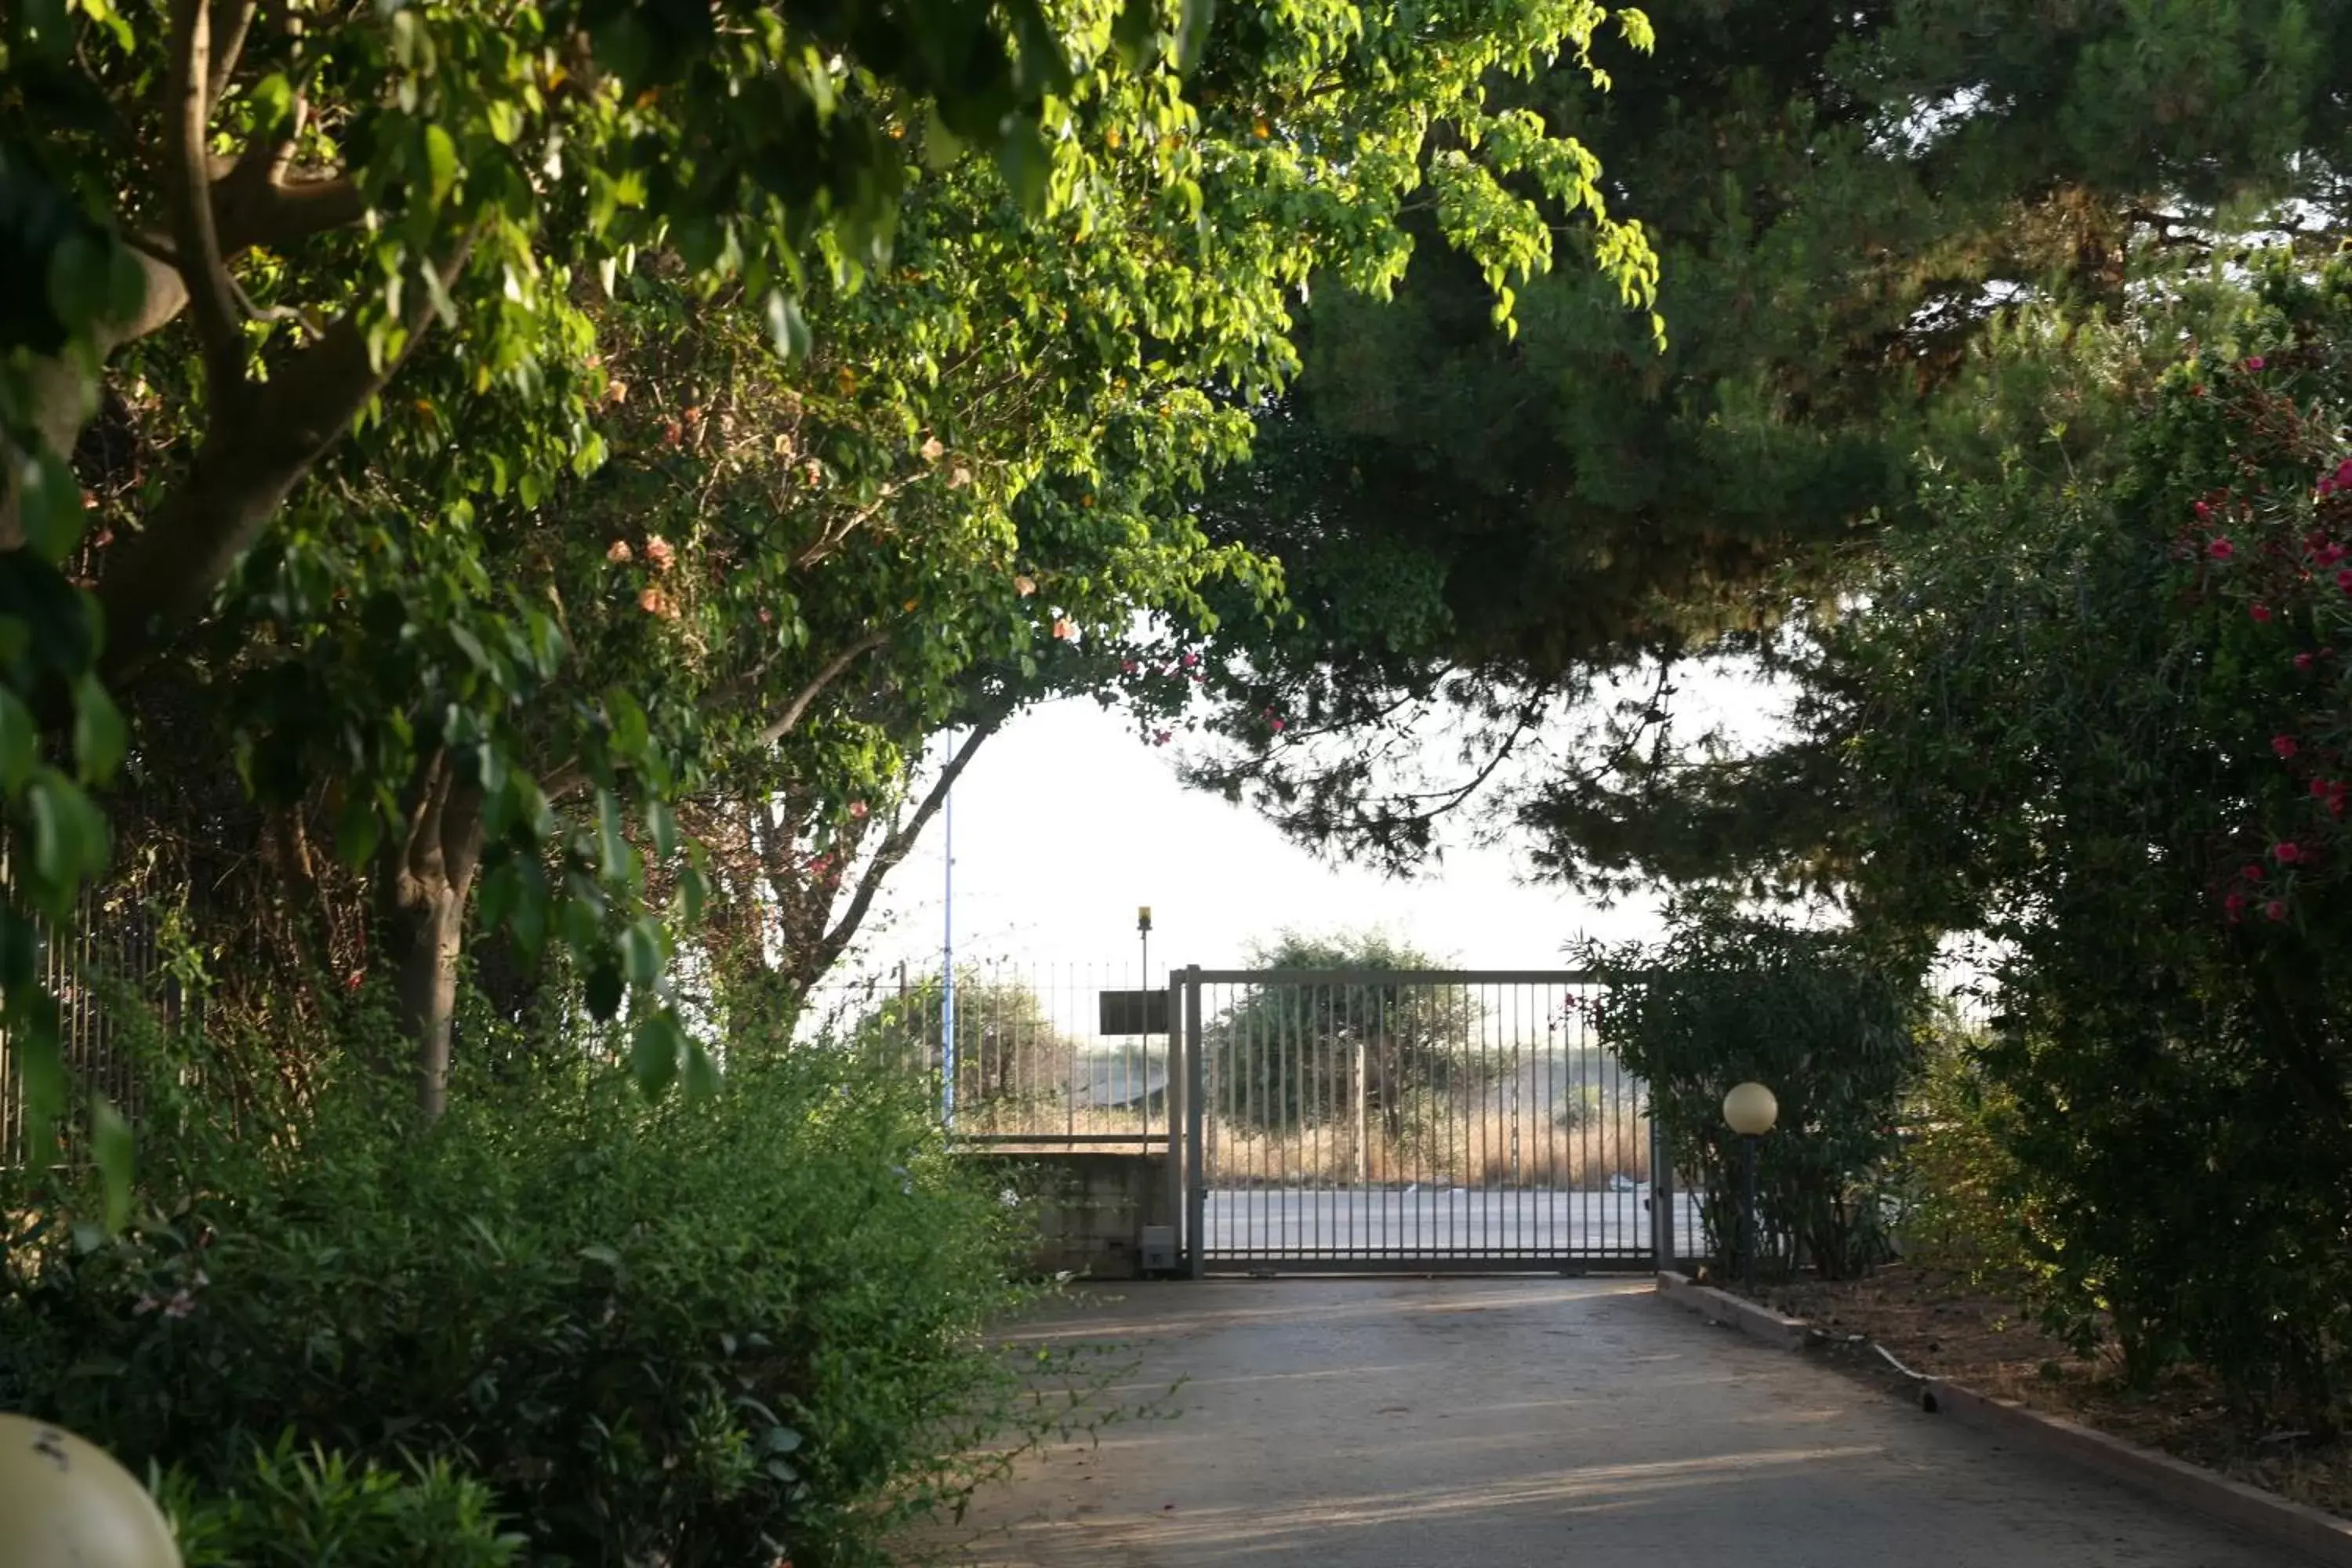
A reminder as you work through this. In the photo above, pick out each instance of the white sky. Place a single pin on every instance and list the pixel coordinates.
(1065, 822)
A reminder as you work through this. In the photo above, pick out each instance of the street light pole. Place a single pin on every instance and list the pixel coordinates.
(1750, 1110)
(1748, 1213)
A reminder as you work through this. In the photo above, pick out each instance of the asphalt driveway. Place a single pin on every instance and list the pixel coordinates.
(1496, 1423)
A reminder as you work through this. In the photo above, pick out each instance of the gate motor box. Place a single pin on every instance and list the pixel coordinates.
(1159, 1249)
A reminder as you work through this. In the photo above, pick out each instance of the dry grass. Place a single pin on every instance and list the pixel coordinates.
(1491, 1148)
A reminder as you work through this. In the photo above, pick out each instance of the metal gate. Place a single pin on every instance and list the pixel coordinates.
(1411, 1120)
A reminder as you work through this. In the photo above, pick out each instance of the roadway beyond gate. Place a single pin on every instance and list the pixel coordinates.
(1412, 1121)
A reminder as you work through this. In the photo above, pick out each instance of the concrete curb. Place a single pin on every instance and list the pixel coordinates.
(1723, 1307)
(2318, 1537)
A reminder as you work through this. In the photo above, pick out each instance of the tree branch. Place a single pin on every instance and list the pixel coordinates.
(895, 848)
(795, 711)
(228, 44)
(188, 190)
(250, 462)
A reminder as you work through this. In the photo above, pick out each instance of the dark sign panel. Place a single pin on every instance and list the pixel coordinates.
(1134, 1012)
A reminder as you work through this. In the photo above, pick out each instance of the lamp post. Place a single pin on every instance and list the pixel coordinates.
(1749, 1110)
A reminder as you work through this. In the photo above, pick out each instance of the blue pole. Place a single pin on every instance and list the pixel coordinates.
(946, 970)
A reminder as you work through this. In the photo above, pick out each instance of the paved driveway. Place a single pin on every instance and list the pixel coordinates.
(1494, 1424)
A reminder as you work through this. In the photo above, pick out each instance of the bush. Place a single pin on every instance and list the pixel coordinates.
(298, 1509)
(1725, 999)
(1956, 1182)
(2100, 712)
(693, 1333)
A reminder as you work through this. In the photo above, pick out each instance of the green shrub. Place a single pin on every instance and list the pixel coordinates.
(693, 1333)
(1956, 1180)
(1812, 1016)
(293, 1509)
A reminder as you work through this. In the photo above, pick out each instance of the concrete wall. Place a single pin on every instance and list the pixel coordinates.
(1090, 1206)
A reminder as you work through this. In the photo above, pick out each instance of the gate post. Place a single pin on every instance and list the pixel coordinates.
(1662, 1201)
(1196, 1194)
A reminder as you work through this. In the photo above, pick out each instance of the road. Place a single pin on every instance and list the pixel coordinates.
(1477, 1423)
(1375, 1222)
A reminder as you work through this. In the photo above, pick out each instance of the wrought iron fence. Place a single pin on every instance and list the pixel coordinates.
(114, 937)
(1064, 1054)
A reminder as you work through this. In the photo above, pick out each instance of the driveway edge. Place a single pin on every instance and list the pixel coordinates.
(2319, 1537)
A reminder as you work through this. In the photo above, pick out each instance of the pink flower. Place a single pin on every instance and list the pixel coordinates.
(1278, 726)
(2262, 612)
(618, 552)
(2288, 854)
(2275, 909)
(1128, 667)
(2204, 510)
(658, 551)
(2303, 661)
(2255, 362)
(2319, 788)
(857, 809)
(2343, 580)
(2344, 475)
(2221, 549)
(1190, 659)
(2328, 555)
(1160, 738)
(2284, 745)
(2251, 871)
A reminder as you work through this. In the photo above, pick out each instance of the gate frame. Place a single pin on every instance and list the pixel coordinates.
(1187, 1174)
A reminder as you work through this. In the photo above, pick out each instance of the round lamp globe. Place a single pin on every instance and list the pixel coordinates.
(1750, 1109)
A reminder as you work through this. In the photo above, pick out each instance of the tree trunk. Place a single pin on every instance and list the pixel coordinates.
(430, 875)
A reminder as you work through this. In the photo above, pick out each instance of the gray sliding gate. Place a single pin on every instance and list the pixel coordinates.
(1412, 1122)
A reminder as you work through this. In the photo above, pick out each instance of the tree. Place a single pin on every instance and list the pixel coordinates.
(347, 324)
(1351, 1033)
(1481, 533)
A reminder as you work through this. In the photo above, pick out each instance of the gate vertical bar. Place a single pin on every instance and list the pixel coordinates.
(1196, 1194)
(1171, 1077)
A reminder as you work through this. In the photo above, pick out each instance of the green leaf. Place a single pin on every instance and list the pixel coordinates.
(111, 1144)
(631, 733)
(1193, 32)
(656, 1049)
(99, 736)
(611, 845)
(20, 742)
(1136, 34)
(70, 841)
(1027, 165)
(49, 504)
(787, 328)
(603, 991)
(703, 1077)
(641, 949)
(440, 163)
(357, 829)
(662, 825)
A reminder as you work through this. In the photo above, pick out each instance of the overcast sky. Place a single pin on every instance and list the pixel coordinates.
(1065, 823)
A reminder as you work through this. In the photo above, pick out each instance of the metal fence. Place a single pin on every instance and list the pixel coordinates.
(1054, 1056)
(113, 937)
(1421, 1119)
